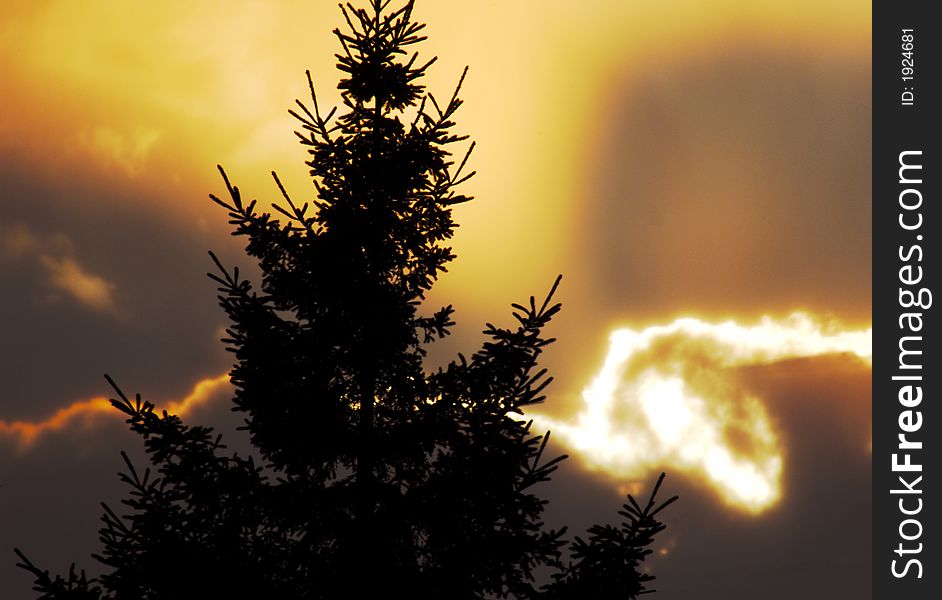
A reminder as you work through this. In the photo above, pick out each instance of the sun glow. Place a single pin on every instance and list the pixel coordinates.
(668, 397)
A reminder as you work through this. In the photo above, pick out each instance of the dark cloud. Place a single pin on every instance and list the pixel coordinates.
(733, 183)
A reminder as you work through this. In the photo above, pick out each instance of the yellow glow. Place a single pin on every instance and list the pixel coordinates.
(161, 92)
(667, 398)
(25, 433)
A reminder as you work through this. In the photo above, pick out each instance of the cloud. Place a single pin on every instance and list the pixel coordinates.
(55, 255)
(25, 433)
(670, 397)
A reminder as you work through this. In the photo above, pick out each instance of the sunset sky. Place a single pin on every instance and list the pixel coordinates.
(699, 172)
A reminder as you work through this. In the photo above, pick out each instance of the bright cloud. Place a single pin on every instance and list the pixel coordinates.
(667, 398)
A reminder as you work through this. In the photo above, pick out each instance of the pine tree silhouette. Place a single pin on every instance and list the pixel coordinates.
(374, 478)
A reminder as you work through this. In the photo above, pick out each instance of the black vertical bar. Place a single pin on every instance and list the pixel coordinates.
(907, 435)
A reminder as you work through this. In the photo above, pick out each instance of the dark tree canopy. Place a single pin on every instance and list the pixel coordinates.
(373, 477)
